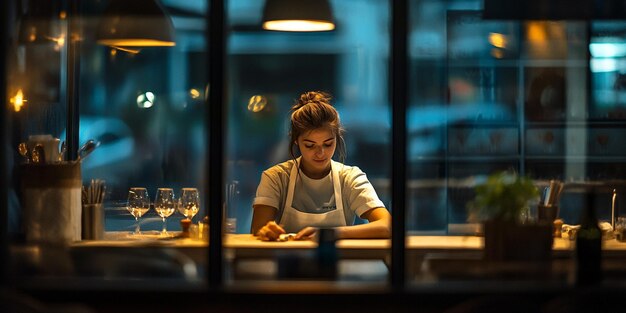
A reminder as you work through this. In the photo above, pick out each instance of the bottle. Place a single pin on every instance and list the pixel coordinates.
(589, 246)
(327, 253)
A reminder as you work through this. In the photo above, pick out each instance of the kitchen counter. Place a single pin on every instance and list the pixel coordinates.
(248, 245)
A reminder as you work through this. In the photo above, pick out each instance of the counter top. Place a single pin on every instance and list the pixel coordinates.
(246, 244)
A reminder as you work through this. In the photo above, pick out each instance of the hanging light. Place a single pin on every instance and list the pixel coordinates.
(135, 23)
(298, 15)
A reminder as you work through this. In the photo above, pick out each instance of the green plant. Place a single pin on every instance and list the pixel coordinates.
(504, 196)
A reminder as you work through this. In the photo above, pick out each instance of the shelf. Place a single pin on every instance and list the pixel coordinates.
(483, 63)
(595, 159)
(517, 63)
(554, 63)
(581, 123)
(427, 159)
(483, 158)
(485, 123)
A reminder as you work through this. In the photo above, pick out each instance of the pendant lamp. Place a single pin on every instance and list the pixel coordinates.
(298, 15)
(135, 23)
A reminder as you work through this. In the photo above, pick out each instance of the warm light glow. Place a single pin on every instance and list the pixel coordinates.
(62, 15)
(59, 41)
(113, 52)
(194, 93)
(32, 34)
(537, 32)
(257, 103)
(138, 42)
(131, 51)
(145, 100)
(299, 25)
(18, 100)
(498, 40)
(497, 53)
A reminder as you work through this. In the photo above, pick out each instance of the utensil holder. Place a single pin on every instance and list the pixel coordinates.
(93, 221)
(52, 202)
(547, 213)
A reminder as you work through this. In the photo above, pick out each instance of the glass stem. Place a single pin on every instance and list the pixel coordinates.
(137, 230)
(164, 225)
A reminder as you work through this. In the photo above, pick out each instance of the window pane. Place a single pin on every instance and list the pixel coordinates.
(144, 109)
(268, 71)
(505, 95)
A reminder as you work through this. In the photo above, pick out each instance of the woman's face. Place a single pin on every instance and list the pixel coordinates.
(317, 148)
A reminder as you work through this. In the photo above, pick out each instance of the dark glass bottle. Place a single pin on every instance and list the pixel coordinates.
(589, 246)
(327, 253)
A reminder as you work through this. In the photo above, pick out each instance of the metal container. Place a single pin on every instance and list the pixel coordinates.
(93, 221)
(52, 202)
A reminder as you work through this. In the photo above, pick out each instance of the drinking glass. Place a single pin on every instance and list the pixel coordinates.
(189, 202)
(620, 229)
(164, 205)
(138, 204)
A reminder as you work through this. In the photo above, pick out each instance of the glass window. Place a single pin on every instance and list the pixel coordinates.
(268, 70)
(141, 103)
(537, 97)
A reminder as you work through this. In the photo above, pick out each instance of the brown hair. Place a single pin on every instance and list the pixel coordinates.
(312, 111)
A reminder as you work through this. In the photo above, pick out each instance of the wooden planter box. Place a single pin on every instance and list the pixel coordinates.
(506, 241)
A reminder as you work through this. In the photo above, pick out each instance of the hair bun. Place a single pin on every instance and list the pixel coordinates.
(318, 97)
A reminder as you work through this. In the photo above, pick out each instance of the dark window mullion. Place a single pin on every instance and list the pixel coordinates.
(399, 78)
(215, 39)
(4, 130)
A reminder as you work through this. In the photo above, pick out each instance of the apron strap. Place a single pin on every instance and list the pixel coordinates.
(292, 185)
(337, 186)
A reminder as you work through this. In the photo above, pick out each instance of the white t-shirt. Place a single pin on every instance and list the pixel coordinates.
(316, 195)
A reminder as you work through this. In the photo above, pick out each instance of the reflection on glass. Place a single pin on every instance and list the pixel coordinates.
(189, 203)
(138, 204)
(164, 205)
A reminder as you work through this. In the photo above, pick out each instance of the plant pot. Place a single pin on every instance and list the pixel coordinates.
(508, 241)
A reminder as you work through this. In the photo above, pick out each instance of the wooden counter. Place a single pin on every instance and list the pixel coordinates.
(247, 244)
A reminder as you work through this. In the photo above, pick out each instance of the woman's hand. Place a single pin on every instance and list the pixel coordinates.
(307, 233)
(271, 231)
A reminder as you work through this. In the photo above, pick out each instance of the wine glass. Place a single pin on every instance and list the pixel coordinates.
(164, 205)
(138, 204)
(189, 202)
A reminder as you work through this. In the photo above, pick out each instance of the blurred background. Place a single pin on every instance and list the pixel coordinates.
(544, 98)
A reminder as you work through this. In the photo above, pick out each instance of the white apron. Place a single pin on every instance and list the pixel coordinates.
(293, 220)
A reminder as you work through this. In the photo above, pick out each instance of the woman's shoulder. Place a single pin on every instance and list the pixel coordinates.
(280, 169)
(348, 171)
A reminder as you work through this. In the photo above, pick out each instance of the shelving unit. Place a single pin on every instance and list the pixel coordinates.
(521, 95)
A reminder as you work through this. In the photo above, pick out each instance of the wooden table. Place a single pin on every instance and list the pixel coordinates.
(246, 245)
(423, 252)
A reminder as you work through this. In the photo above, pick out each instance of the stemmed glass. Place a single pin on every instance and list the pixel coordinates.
(138, 204)
(164, 205)
(189, 202)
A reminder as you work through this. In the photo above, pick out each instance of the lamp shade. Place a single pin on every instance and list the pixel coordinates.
(135, 23)
(298, 15)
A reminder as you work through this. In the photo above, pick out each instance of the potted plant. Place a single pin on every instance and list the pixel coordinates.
(502, 205)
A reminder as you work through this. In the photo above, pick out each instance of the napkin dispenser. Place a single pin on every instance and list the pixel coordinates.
(52, 202)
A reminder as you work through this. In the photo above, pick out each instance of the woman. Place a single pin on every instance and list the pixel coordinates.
(312, 191)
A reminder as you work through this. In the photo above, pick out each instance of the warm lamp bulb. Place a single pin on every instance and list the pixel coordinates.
(136, 43)
(498, 40)
(18, 100)
(298, 25)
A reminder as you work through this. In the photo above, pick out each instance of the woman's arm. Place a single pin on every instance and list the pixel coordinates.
(263, 224)
(379, 226)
